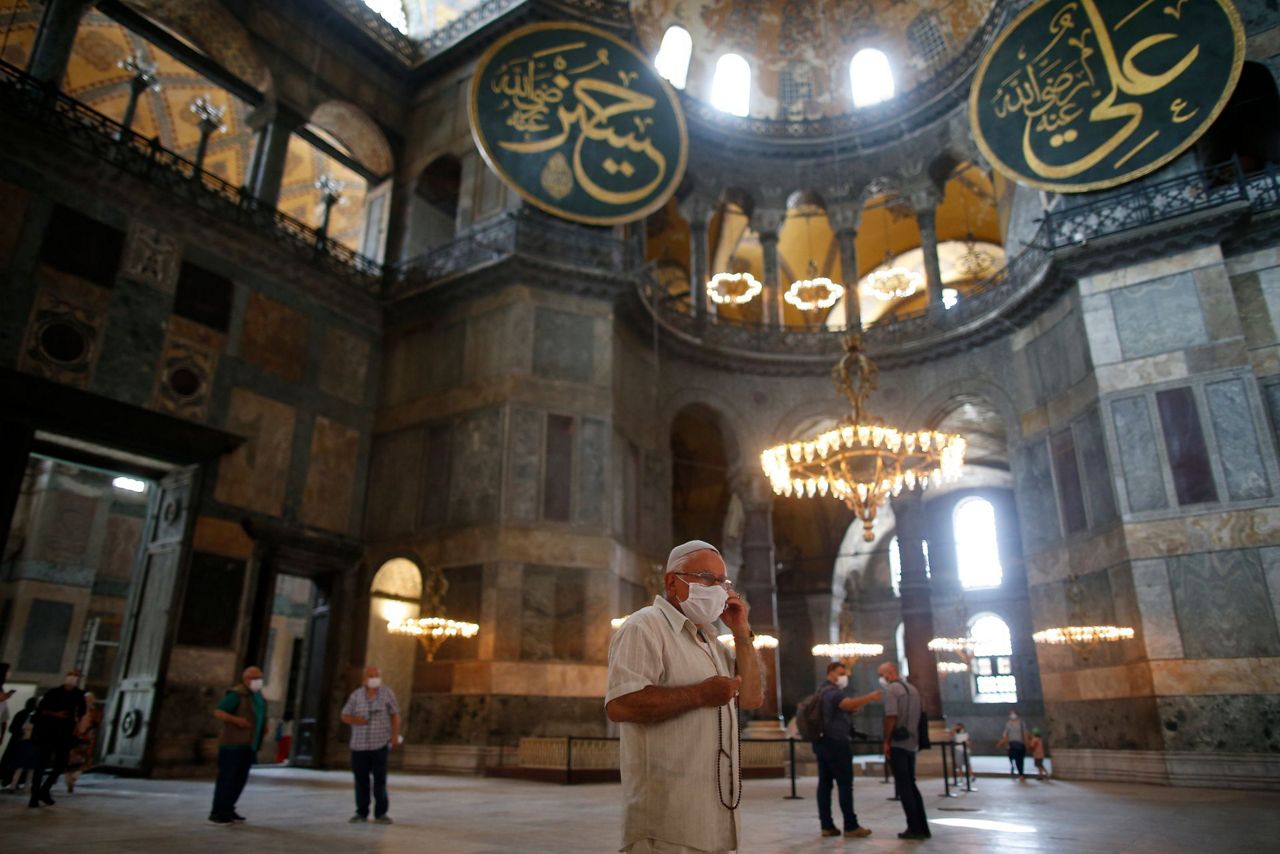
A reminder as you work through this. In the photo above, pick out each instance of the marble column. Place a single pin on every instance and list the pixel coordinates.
(917, 607)
(266, 172)
(52, 49)
(845, 238)
(698, 267)
(758, 579)
(927, 219)
(771, 295)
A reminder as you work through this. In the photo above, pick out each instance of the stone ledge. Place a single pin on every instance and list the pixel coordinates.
(1170, 768)
(451, 758)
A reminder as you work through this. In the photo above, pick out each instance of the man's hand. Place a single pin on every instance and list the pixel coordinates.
(243, 723)
(355, 720)
(886, 750)
(718, 690)
(735, 615)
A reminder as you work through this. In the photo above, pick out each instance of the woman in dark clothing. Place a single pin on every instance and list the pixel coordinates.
(20, 754)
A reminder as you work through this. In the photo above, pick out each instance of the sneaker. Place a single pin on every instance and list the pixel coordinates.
(237, 818)
(220, 820)
(357, 819)
(830, 831)
(915, 834)
(857, 833)
(383, 819)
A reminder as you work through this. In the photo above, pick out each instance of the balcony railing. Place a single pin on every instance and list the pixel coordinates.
(88, 130)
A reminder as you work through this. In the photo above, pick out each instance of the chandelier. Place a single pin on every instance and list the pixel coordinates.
(733, 288)
(952, 667)
(889, 282)
(847, 650)
(1082, 639)
(961, 645)
(861, 461)
(974, 263)
(432, 632)
(759, 642)
(815, 292)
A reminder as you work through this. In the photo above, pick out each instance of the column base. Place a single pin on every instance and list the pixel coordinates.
(1170, 768)
(768, 728)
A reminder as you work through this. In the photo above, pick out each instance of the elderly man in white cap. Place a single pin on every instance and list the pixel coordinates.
(676, 690)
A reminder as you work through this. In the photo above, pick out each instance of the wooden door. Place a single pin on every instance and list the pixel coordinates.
(147, 636)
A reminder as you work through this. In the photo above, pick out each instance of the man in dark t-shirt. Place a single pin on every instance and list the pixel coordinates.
(56, 717)
(835, 752)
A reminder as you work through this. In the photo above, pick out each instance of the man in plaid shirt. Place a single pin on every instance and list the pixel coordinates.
(374, 717)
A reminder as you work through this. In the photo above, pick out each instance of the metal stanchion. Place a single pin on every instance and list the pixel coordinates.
(568, 762)
(948, 747)
(968, 770)
(791, 745)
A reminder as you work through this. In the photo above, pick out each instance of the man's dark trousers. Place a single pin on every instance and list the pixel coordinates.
(903, 763)
(233, 772)
(366, 763)
(50, 753)
(835, 764)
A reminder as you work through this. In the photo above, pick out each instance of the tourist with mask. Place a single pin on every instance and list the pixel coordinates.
(835, 751)
(675, 692)
(1015, 738)
(374, 717)
(243, 713)
(902, 709)
(59, 711)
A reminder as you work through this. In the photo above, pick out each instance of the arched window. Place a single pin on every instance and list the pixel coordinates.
(977, 549)
(926, 40)
(895, 564)
(392, 11)
(993, 679)
(900, 643)
(870, 78)
(672, 60)
(731, 85)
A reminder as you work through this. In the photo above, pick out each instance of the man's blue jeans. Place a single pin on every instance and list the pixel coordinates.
(835, 765)
(233, 772)
(366, 764)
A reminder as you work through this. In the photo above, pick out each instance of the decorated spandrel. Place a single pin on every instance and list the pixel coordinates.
(578, 123)
(1082, 95)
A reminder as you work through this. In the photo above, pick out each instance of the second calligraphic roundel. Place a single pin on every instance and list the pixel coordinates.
(578, 123)
(1079, 95)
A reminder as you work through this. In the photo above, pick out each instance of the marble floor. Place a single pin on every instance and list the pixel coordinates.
(294, 810)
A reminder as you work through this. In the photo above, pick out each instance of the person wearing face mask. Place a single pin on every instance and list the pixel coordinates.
(56, 717)
(374, 717)
(835, 751)
(243, 713)
(901, 743)
(1015, 737)
(675, 691)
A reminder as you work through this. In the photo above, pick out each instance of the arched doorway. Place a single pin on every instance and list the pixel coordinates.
(394, 594)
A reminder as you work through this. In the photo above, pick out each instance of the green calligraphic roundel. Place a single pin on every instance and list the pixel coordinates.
(1082, 95)
(578, 123)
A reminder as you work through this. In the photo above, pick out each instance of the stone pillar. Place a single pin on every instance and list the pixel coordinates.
(52, 49)
(266, 172)
(917, 608)
(771, 295)
(697, 212)
(758, 580)
(927, 219)
(844, 219)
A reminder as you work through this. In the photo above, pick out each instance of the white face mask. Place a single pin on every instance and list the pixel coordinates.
(705, 604)
(842, 682)
(373, 681)
(255, 685)
(884, 684)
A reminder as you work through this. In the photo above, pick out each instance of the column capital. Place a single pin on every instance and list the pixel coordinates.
(845, 217)
(751, 487)
(696, 209)
(925, 200)
(768, 220)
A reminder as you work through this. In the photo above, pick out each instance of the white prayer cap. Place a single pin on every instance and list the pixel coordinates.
(680, 552)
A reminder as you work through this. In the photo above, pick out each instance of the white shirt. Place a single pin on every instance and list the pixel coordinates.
(669, 769)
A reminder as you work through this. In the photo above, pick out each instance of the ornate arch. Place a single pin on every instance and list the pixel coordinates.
(358, 133)
(215, 32)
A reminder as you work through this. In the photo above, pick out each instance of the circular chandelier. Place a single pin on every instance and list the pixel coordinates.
(759, 642)
(862, 462)
(432, 632)
(964, 645)
(952, 667)
(733, 288)
(974, 262)
(814, 294)
(847, 650)
(1081, 637)
(888, 282)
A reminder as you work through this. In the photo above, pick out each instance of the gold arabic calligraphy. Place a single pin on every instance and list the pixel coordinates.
(535, 85)
(1079, 78)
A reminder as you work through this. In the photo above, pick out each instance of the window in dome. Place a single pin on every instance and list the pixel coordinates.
(731, 85)
(977, 550)
(870, 78)
(795, 89)
(392, 11)
(672, 60)
(927, 42)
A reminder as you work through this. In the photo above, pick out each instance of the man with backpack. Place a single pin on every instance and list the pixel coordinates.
(903, 723)
(823, 719)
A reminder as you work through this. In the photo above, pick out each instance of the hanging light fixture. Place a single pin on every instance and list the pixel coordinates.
(845, 651)
(974, 262)
(961, 645)
(1083, 639)
(862, 461)
(890, 281)
(946, 667)
(432, 632)
(760, 641)
(815, 292)
(733, 288)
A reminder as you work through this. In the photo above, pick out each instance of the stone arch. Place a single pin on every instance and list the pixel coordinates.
(807, 417)
(931, 408)
(215, 32)
(395, 593)
(727, 417)
(357, 132)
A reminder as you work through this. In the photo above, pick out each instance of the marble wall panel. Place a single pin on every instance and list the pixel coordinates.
(562, 345)
(1159, 316)
(1155, 605)
(1114, 723)
(1092, 448)
(1058, 360)
(274, 337)
(65, 331)
(423, 362)
(553, 622)
(655, 504)
(256, 474)
(475, 468)
(66, 533)
(1238, 451)
(488, 344)
(1223, 605)
(395, 477)
(344, 366)
(494, 719)
(331, 476)
(1271, 396)
(13, 214)
(1231, 723)
(1220, 317)
(1269, 285)
(185, 371)
(124, 533)
(151, 257)
(1100, 326)
(1143, 476)
(593, 456)
(135, 334)
(525, 464)
(1270, 557)
(1037, 507)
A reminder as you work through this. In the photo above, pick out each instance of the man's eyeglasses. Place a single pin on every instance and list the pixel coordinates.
(706, 579)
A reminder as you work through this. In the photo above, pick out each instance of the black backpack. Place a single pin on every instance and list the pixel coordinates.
(809, 718)
(922, 734)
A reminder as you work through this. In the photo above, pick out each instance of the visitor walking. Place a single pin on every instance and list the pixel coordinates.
(85, 742)
(57, 714)
(1036, 746)
(19, 757)
(835, 751)
(243, 713)
(1015, 738)
(671, 689)
(284, 738)
(901, 742)
(374, 718)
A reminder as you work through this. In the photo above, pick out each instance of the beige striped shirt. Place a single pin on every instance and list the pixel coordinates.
(669, 768)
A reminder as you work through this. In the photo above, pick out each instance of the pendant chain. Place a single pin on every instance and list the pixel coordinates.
(721, 753)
